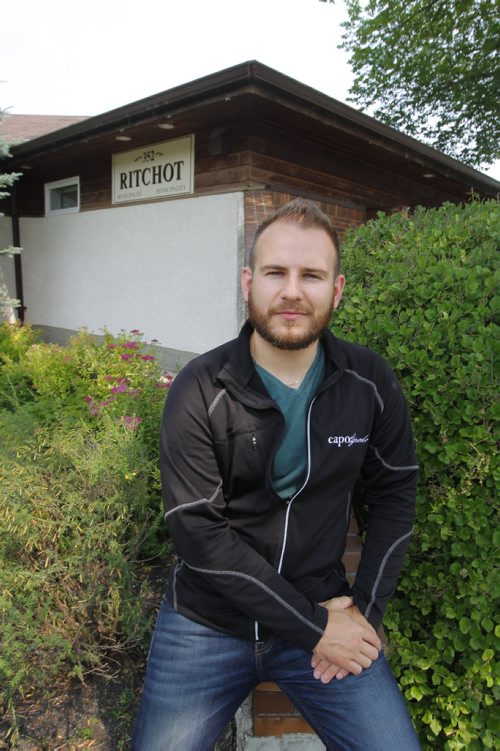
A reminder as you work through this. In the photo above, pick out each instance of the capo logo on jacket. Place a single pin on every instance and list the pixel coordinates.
(347, 440)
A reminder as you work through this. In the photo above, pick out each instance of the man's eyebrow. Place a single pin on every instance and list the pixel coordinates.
(315, 271)
(281, 267)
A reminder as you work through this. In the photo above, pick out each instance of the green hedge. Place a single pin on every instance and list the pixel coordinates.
(421, 291)
(79, 503)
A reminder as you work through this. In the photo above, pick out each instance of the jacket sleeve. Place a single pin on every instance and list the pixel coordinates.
(194, 502)
(390, 477)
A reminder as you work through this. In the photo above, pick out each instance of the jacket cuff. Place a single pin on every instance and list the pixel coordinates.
(310, 637)
(374, 617)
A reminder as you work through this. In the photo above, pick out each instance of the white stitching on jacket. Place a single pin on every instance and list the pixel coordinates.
(389, 466)
(262, 586)
(381, 570)
(215, 402)
(370, 383)
(285, 533)
(195, 503)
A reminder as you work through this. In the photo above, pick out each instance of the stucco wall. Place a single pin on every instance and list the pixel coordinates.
(169, 269)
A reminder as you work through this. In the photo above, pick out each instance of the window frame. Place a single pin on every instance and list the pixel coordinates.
(49, 187)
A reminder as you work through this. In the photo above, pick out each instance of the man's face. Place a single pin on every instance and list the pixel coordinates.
(292, 290)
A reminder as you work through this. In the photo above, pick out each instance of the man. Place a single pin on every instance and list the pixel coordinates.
(261, 443)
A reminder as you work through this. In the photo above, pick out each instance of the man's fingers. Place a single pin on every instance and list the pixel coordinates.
(338, 603)
(364, 661)
(349, 644)
(329, 674)
(342, 674)
(330, 671)
(370, 652)
(369, 637)
(323, 668)
(325, 671)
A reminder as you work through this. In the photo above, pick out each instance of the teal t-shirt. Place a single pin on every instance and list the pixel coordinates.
(290, 462)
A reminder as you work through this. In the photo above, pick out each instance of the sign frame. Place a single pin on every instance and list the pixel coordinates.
(154, 171)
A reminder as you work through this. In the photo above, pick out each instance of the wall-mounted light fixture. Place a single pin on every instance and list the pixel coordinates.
(122, 136)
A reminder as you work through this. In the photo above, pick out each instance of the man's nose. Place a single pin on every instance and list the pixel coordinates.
(292, 289)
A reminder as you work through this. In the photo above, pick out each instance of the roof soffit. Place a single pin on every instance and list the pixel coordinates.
(253, 90)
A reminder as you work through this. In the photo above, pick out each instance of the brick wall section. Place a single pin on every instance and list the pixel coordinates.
(273, 712)
(259, 204)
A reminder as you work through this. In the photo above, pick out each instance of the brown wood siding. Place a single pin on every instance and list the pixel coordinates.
(237, 156)
(322, 163)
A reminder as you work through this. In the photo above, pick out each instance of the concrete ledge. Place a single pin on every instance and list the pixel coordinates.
(169, 359)
(298, 742)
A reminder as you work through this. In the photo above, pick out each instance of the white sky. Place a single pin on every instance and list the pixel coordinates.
(85, 57)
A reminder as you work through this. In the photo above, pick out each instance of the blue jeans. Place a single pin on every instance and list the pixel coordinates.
(198, 677)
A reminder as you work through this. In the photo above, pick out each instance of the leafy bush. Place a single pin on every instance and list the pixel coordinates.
(79, 502)
(15, 340)
(421, 291)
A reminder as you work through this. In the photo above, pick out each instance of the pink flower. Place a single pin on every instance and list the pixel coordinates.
(111, 346)
(88, 399)
(164, 385)
(147, 358)
(108, 401)
(125, 357)
(155, 341)
(94, 411)
(135, 331)
(122, 386)
(129, 345)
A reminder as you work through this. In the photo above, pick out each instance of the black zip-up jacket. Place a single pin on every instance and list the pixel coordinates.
(251, 563)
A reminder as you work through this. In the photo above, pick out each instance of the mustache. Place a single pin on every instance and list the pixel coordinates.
(289, 309)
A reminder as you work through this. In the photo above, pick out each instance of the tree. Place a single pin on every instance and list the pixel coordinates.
(7, 304)
(430, 69)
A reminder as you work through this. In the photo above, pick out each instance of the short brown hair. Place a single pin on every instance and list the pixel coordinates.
(307, 214)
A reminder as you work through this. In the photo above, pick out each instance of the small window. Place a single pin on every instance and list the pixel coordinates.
(62, 196)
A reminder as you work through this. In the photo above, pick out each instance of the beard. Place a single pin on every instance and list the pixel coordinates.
(292, 337)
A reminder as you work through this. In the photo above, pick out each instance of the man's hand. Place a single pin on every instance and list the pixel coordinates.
(348, 645)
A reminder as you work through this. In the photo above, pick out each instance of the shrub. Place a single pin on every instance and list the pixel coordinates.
(80, 503)
(421, 291)
(15, 340)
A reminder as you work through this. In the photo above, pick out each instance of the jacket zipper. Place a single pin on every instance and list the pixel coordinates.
(323, 388)
(291, 500)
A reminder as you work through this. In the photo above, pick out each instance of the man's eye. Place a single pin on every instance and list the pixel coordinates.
(312, 276)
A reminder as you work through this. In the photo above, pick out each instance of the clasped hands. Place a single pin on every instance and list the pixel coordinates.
(349, 644)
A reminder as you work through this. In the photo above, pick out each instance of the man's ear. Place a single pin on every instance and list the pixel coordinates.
(246, 281)
(338, 287)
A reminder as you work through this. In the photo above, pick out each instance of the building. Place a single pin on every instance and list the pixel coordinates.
(139, 218)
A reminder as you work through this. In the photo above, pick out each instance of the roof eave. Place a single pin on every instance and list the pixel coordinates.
(247, 77)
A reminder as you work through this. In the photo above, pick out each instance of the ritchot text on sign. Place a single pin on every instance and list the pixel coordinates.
(155, 171)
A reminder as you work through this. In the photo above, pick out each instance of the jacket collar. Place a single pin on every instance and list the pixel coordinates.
(238, 372)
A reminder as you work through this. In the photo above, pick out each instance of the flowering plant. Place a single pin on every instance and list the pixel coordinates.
(80, 503)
